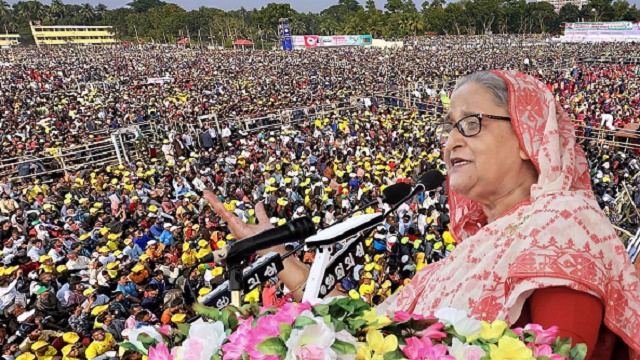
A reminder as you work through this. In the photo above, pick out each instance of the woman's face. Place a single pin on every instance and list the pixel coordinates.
(494, 162)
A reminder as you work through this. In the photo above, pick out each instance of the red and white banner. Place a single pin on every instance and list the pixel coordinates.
(311, 41)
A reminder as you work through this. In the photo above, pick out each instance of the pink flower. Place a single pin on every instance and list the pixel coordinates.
(420, 349)
(312, 352)
(402, 316)
(545, 350)
(543, 336)
(433, 332)
(266, 326)
(238, 341)
(165, 330)
(289, 312)
(160, 352)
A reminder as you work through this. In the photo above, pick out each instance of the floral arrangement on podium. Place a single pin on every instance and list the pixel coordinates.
(345, 328)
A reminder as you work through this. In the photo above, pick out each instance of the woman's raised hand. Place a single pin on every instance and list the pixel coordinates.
(238, 228)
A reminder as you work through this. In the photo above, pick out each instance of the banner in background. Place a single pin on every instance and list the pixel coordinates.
(313, 41)
(621, 31)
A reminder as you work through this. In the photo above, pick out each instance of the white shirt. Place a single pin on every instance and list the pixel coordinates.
(226, 132)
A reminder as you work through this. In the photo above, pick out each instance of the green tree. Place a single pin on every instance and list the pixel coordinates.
(602, 10)
(394, 6)
(142, 6)
(568, 13)
(544, 17)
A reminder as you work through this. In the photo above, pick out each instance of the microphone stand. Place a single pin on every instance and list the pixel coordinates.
(235, 281)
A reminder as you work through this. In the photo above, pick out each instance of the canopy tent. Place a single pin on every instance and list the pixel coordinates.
(241, 42)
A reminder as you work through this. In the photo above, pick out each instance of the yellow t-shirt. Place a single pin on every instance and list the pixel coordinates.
(97, 348)
(367, 289)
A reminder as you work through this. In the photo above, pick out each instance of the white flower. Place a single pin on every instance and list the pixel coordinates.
(149, 330)
(313, 342)
(203, 342)
(460, 321)
(344, 336)
(462, 351)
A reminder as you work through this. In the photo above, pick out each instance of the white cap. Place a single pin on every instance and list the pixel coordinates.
(152, 242)
(273, 220)
(352, 174)
(324, 179)
(151, 214)
(167, 225)
(174, 228)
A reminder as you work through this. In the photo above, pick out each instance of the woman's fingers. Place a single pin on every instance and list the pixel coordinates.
(261, 214)
(218, 207)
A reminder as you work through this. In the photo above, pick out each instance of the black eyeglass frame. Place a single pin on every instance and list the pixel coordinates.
(458, 127)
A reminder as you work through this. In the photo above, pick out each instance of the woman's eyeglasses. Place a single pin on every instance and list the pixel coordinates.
(468, 126)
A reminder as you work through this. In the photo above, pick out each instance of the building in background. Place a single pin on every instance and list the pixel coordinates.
(62, 35)
(8, 40)
(558, 4)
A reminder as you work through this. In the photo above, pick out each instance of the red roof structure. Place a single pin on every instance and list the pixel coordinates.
(243, 42)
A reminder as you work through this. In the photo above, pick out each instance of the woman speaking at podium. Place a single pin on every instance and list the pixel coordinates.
(534, 245)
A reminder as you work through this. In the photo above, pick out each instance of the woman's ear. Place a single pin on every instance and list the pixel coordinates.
(524, 155)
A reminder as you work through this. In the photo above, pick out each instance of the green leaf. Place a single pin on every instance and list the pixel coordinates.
(272, 346)
(224, 317)
(184, 328)
(343, 347)
(543, 358)
(321, 310)
(209, 312)
(129, 346)
(146, 339)
(302, 321)
(511, 333)
(579, 352)
(563, 347)
(285, 331)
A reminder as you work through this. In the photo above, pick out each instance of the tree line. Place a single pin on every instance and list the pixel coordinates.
(159, 21)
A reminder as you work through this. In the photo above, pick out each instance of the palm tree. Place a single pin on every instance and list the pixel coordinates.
(57, 10)
(87, 14)
(101, 9)
(5, 9)
(297, 27)
(29, 10)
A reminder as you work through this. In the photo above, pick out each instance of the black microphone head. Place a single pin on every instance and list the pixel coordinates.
(393, 194)
(431, 180)
(303, 227)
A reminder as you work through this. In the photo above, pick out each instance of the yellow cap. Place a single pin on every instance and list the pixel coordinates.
(143, 257)
(220, 244)
(44, 258)
(204, 291)
(61, 268)
(113, 236)
(103, 249)
(39, 344)
(185, 246)
(138, 268)
(104, 230)
(88, 291)
(217, 271)
(84, 236)
(202, 243)
(10, 270)
(367, 276)
(26, 356)
(70, 337)
(113, 265)
(354, 294)
(98, 309)
(67, 349)
(127, 241)
(178, 318)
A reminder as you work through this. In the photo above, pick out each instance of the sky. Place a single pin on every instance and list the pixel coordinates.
(299, 5)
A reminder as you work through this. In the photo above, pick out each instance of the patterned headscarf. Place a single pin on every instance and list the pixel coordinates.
(547, 136)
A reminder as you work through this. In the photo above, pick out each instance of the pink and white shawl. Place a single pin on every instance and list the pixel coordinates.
(560, 237)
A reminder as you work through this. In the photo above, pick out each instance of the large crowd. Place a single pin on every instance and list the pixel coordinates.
(94, 248)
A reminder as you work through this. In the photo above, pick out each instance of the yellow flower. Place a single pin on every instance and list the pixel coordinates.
(493, 330)
(376, 346)
(374, 321)
(510, 349)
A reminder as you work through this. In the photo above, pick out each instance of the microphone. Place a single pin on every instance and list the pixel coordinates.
(291, 231)
(391, 195)
(428, 181)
